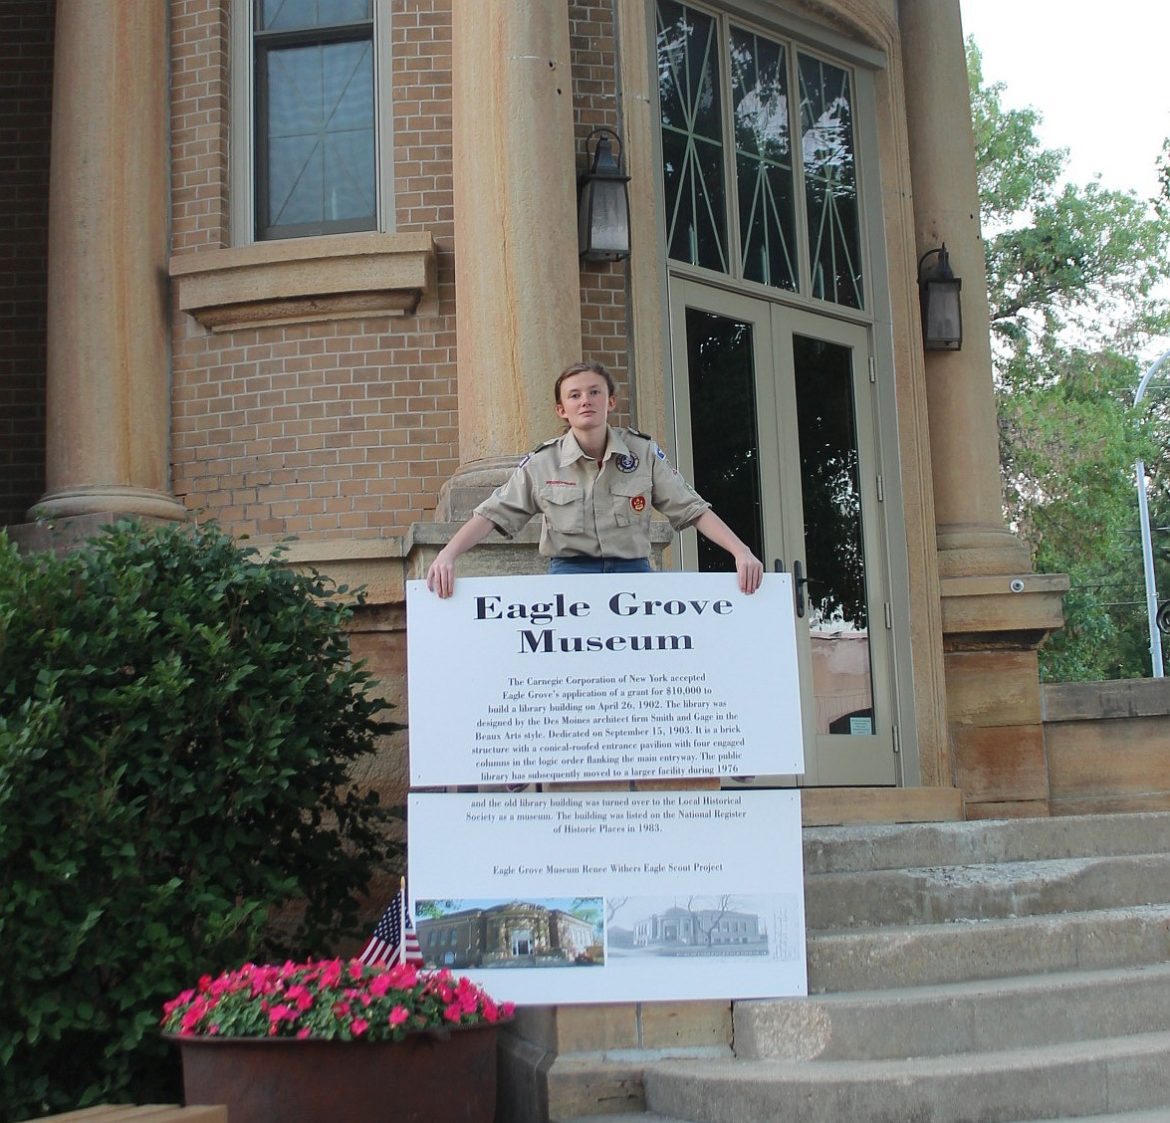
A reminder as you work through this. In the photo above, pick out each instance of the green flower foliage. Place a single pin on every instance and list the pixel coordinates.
(178, 721)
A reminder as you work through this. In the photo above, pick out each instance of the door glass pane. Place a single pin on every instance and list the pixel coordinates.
(837, 612)
(763, 159)
(320, 102)
(830, 181)
(692, 135)
(724, 441)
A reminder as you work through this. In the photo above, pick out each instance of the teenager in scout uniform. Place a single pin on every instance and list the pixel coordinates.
(594, 487)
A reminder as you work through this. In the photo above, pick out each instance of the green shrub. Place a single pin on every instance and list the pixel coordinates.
(177, 724)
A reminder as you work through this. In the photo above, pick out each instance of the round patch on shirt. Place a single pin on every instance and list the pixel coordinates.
(627, 462)
(638, 502)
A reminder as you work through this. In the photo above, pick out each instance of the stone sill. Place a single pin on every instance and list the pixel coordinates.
(305, 280)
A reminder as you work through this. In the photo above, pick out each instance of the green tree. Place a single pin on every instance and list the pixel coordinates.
(1071, 276)
(178, 724)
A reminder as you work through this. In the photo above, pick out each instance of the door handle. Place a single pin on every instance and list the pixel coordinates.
(798, 583)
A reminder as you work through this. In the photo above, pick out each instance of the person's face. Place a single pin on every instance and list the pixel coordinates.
(585, 401)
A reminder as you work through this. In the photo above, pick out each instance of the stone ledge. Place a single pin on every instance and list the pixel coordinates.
(304, 280)
(1116, 698)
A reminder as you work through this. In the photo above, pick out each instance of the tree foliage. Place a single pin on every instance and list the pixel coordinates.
(178, 721)
(1072, 273)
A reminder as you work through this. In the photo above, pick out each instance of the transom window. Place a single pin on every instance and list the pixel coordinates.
(315, 117)
(742, 197)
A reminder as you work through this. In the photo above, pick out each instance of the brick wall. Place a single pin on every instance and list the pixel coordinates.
(200, 120)
(349, 428)
(604, 329)
(26, 72)
(343, 429)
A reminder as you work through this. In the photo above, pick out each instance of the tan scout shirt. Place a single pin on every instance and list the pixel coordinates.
(589, 511)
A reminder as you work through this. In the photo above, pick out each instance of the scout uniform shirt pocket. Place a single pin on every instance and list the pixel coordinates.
(563, 505)
(631, 501)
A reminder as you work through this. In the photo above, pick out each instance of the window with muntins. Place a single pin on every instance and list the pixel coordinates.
(758, 156)
(315, 117)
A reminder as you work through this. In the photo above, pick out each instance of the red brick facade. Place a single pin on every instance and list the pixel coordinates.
(335, 429)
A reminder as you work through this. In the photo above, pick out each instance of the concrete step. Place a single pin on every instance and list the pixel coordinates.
(907, 845)
(928, 954)
(1082, 1079)
(942, 894)
(956, 1018)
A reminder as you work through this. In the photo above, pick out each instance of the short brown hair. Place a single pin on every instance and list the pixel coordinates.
(583, 368)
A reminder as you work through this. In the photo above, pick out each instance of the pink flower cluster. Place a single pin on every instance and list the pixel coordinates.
(332, 999)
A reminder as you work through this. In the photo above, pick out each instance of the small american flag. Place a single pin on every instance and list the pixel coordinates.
(386, 944)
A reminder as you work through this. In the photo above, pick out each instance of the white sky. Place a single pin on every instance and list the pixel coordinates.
(1102, 85)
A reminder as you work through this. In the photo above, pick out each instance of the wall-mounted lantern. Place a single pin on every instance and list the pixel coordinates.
(603, 201)
(942, 311)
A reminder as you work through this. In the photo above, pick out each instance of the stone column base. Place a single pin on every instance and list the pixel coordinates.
(965, 550)
(112, 502)
(992, 629)
(471, 484)
(62, 534)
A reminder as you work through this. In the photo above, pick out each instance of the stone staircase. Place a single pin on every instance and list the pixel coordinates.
(982, 972)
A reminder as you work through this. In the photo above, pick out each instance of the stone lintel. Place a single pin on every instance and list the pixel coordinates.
(301, 280)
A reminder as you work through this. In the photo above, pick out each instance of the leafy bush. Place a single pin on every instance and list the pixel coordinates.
(177, 724)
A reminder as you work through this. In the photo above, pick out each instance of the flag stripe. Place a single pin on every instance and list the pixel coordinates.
(386, 943)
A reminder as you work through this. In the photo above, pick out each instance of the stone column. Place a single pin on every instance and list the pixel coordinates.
(995, 611)
(968, 494)
(518, 315)
(108, 397)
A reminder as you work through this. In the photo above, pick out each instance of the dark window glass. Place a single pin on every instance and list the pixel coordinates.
(315, 122)
(692, 136)
(724, 441)
(838, 616)
(763, 160)
(786, 145)
(830, 181)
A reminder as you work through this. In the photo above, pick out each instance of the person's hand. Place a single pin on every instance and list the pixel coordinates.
(441, 574)
(750, 571)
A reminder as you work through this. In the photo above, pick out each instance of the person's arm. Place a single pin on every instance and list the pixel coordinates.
(749, 569)
(441, 572)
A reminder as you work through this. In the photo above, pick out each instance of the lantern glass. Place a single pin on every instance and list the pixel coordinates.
(605, 220)
(942, 315)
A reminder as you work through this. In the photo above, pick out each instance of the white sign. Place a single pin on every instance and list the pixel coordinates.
(611, 896)
(602, 677)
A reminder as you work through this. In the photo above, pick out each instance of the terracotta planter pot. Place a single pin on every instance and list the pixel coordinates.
(425, 1078)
